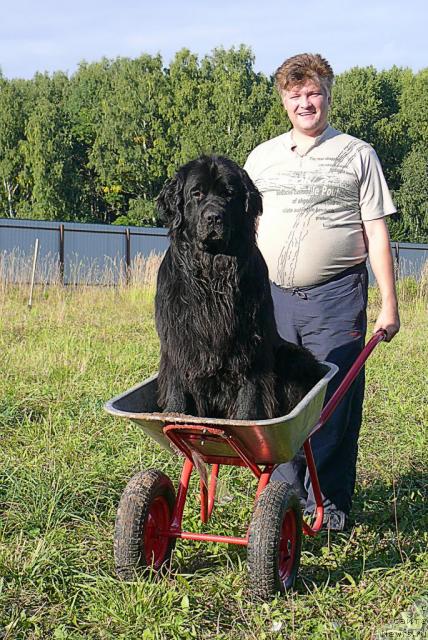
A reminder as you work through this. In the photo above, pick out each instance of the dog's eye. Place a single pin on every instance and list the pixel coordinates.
(228, 194)
(197, 194)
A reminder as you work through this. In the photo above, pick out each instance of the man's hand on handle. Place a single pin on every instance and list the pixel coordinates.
(389, 320)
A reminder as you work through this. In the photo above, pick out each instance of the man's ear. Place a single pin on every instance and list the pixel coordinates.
(170, 202)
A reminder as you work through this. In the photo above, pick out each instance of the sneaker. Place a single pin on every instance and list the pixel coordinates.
(334, 521)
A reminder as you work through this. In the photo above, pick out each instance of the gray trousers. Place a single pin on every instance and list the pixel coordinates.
(330, 320)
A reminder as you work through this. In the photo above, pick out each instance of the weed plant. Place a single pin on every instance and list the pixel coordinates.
(64, 463)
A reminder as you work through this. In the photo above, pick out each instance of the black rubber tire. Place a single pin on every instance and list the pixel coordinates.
(147, 501)
(275, 541)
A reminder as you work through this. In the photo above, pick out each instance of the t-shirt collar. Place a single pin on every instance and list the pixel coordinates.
(292, 145)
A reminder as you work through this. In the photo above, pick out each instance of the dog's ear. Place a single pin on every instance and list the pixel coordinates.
(253, 197)
(170, 202)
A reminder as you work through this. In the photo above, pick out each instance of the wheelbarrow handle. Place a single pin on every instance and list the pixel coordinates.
(349, 378)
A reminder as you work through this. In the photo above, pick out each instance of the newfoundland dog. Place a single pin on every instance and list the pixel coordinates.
(221, 354)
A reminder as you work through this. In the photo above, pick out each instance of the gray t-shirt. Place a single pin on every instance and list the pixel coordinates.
(314, 202)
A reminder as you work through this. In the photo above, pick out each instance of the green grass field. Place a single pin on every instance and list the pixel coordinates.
(64, 463)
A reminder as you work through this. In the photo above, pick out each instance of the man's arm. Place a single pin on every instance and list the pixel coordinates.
(380, 256)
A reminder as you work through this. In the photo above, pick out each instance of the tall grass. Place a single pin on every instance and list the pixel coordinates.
(64, 464)
(16, 266)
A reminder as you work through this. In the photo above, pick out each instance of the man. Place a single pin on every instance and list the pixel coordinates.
(324, 205)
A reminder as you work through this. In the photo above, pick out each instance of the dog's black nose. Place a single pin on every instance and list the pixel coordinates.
(213, 217)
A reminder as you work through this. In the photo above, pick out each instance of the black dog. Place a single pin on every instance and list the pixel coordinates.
(221, 354)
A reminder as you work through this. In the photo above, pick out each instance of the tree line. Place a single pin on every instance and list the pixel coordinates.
(97, 146)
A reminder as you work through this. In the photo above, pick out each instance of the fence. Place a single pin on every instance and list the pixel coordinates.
(74, 253)
(410, 259)
(105, 254)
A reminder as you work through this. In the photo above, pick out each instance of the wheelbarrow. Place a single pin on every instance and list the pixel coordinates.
(150, 512)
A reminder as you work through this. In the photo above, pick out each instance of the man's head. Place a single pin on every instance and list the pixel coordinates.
(304, 83)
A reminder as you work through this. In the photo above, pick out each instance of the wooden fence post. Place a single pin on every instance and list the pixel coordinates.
(61, 253)
(33, 272)
(397, 261)
(128, 254)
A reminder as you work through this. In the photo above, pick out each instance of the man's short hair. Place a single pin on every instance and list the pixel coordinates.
(305, 66)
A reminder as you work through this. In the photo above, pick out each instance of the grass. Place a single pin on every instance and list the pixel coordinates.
(64, 464)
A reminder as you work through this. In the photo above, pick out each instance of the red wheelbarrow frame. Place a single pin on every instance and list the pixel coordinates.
(181, 435)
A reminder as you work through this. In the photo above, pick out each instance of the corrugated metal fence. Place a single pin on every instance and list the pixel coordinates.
(75, 253)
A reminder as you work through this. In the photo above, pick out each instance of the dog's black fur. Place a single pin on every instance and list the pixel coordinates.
(221, 354)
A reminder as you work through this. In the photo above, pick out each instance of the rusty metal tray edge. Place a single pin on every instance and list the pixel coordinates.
(268, 441)
(159, 417)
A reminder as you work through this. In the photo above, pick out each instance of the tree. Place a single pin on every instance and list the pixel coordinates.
(236, 100)
(356, 103)
(414, 107)
(390, 139)
(12, 126)
(275, 121)
(48, 175)
(217, 106)
(187, 114)
(87, 87)
(140, 213)
(130, 149)
(99, 145)
(412, 198)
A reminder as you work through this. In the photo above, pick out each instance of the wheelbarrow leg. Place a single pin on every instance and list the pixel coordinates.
(319, 501)
(177, 515)
(212, 488)
(264, 478)
(208, 494)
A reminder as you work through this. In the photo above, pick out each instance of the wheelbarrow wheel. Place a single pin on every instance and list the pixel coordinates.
(275, 540)
(145, 510)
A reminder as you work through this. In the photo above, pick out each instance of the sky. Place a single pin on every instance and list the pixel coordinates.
(48, 35)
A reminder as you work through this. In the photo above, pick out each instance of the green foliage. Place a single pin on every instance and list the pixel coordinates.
(140, 213)
(217, 106)
(87, 86)
(130, 146)
(356, 103)
(412, 198)
(48, 181)
(12, 132)
(414, 107)
(235, 100)
(47, 155)
(97, 146)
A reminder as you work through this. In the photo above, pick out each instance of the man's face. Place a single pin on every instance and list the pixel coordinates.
(307, 107)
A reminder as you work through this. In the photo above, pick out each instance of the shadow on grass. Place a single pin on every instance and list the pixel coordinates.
(402, 506)
(201, 561)
(387, 527)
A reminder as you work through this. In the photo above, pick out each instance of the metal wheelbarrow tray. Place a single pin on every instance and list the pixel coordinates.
(267, 441)
(149, 517)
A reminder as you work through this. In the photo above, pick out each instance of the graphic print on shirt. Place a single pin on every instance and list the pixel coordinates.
(325, 197)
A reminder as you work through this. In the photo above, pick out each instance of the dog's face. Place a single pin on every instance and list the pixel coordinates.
(212, 204)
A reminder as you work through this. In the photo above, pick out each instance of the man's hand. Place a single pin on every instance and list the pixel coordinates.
(388, 320)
